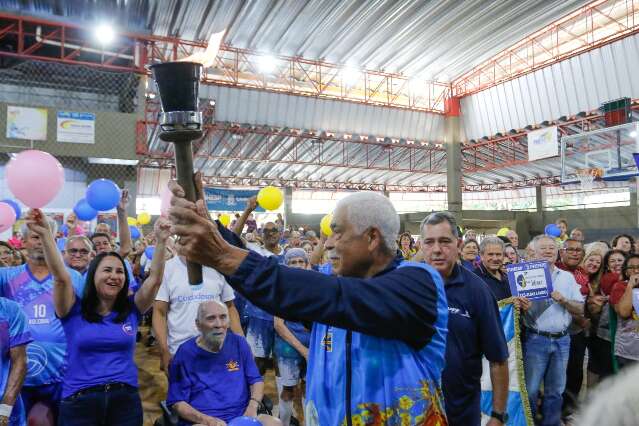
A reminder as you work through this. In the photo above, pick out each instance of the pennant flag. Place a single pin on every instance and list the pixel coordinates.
(517, 407)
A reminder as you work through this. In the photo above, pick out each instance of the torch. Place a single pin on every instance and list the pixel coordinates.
(180, 123)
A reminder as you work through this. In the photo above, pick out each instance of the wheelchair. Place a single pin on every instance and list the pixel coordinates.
(170, 418)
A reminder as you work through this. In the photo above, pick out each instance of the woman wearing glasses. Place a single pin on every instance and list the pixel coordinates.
(627, 337)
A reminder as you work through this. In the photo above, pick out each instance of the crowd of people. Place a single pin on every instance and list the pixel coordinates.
(365, 326)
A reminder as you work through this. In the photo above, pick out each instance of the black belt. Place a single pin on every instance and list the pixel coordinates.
(547, 334)
(101, 388)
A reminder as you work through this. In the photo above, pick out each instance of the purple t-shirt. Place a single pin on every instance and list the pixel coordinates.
(100, 353)
(216, 384)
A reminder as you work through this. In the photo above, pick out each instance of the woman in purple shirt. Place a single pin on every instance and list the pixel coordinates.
(100, 386)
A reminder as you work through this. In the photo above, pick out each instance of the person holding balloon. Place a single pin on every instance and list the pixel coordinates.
(101, 387)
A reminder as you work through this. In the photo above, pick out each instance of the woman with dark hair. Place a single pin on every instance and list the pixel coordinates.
(406, 246)
(600, 354)
(6, 254)
(510, 254)
(625, 243)
(627, 336)
(100, 387)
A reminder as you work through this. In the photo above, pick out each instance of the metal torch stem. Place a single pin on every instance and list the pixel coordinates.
(184, 169)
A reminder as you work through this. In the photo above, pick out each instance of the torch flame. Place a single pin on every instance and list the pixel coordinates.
(207, 58)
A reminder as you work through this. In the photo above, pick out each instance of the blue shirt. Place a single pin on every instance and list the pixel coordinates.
(46, 354)
(499, 288)
(100, 352)
(216, 384)
(474, 330)
(250, 310)
(14, 332)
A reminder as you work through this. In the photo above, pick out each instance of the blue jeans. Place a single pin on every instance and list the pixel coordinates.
(114, 407)
(546, 359)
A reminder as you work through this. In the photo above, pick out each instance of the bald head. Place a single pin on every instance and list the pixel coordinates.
(211, 307)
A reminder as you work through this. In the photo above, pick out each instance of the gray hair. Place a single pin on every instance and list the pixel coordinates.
(201, 309)
(535, 241)
(436, 218)
(490, 241)
(622, 410)
(24, 229)
(87, 242)
(365, 210)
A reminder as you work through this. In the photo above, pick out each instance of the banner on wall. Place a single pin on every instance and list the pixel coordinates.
(76, 127)
(26, 123)
(517, 406)
(543, 143)
(225, 200)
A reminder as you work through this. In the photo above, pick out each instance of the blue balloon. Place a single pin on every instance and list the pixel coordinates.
(244, 421)
(552, 230)
(64, 229)
(84, 211)
(135, 232)
(61, 243)
(16, 207)
(103, 195)
(149, 251)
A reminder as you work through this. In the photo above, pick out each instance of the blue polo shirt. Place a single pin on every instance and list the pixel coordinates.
(499, 288)
(474, 331)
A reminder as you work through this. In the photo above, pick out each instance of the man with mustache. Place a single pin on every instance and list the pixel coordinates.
(213, 377)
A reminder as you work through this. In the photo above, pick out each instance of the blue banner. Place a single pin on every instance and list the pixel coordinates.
(517, 407)
(530, 279)
(228, 200)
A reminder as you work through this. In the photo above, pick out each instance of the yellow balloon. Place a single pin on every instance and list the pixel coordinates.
(132, 221)
(270, 198)
(225, 219)
(502, 232)
(325, 225)
(144, 218)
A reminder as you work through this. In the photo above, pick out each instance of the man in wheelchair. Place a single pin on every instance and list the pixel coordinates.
(213, 377)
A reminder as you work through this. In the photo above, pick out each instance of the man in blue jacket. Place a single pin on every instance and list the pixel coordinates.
(377, 347)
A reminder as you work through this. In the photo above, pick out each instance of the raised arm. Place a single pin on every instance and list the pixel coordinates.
(63, 294)
(146, 294)
(124, 234)
(251, 205)
(318, 251)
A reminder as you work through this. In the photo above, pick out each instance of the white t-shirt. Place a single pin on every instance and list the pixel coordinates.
(183, 299)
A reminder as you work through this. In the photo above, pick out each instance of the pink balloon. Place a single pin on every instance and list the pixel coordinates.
(35, 177)
(7, 216)
(165, 201)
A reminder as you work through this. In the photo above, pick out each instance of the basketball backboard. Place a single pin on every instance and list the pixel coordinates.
(610, 150)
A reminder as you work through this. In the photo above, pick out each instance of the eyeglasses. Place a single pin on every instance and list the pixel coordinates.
(82, 252)
(632, 267)
(271, 231)
(574, 250)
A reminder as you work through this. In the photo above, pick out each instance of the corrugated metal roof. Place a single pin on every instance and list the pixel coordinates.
(581, 83)
(281, 110)
(413, 37)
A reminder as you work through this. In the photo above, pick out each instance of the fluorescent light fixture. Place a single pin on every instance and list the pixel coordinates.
(112, 161)
(266, 63)
(104, 33)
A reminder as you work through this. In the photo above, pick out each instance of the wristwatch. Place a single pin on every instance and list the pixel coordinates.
(502, 417)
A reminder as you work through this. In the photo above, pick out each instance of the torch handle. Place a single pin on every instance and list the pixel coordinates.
(184, 168)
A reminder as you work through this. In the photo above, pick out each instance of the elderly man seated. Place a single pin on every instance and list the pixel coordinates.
(213, 377)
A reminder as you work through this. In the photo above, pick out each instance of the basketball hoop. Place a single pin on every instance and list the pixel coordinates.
(587, 177)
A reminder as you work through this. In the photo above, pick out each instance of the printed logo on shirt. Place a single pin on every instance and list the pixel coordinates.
(327, 342)
(37, 359)
(127, 328)
(457, 311)
(232, 366)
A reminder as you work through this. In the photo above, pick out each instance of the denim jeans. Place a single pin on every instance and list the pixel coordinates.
(114, 407)
(546, 359)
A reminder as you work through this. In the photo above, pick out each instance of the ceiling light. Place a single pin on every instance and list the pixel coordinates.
(104, 33)
(350, 75)
(266, 63)
(113, 161)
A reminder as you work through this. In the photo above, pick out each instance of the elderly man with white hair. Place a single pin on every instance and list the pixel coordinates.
(213, 378)
(547, 343)
(379, 335)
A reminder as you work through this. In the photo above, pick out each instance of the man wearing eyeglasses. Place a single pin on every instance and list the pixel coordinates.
(78, 252)
(570, 255)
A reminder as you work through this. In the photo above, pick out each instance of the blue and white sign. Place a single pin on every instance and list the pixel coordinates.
(530, 279)
(228, 200)
(76, 127)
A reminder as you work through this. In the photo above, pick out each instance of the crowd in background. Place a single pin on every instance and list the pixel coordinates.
(73, 300)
